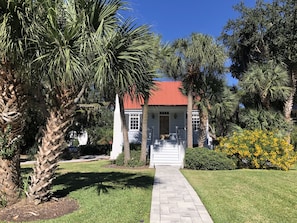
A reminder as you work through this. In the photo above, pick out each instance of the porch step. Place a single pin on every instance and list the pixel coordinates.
(166, 154)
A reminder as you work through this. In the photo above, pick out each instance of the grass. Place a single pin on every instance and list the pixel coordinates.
(104, 194)
(124, 195)
(246, 196)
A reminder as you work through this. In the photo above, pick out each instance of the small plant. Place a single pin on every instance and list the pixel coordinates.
(294, 137)
(133, 162)
(206, 159)
(26, 183)
(259, 149)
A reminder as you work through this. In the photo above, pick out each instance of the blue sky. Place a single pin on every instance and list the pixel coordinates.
(174, 19)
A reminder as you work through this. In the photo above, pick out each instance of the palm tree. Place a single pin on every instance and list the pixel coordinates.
(269, 81)
(224, 111)
(14, 72)
(122, 64)
(194, 60)
(145, 89)
(66, 39)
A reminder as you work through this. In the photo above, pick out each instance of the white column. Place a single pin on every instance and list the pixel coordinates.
(117, 142)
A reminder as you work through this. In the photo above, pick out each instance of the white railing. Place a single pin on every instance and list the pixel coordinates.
(167, 152)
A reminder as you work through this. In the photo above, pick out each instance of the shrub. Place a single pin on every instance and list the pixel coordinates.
(94, 149)
(294, 137)
(206, 159)
(259, 149)
(133, 162)
(135, 146)
(73, 152)
(70, 153)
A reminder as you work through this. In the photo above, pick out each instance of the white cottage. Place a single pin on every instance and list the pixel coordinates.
(167, 118)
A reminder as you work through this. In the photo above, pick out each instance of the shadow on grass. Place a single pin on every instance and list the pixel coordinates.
(102, 181)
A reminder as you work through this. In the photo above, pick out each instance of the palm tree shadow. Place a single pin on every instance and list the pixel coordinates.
(102, 181)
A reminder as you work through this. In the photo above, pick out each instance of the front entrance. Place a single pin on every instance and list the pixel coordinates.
(164, 125)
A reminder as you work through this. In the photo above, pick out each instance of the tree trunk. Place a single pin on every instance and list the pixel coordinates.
(144, 130)
(127, 156)
(189, 120)
(202, 127)
(288, 106)
(52, 146)
(12, 108)
(49, 151)
(10, 180)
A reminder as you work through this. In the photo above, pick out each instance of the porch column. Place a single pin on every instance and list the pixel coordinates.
(117, 142)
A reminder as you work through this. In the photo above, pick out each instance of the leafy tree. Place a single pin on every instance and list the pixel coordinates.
(196, 61)
(96, 119)
(263, 33)
(271, 120)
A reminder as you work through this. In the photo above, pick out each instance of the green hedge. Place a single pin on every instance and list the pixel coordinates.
(206, 159)
(94, 150)
(85, 150)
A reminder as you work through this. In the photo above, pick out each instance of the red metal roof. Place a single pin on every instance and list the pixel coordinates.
(167, 94)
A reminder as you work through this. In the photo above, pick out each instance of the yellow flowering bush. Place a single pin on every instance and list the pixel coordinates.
(258, 149)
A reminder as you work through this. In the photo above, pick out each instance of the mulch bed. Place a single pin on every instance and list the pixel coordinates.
(25, 211)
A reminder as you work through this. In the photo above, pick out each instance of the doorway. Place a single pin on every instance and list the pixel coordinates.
(164, 124)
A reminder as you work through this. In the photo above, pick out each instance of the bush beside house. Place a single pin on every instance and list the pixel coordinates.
(133, 162)
(259, 149)
(206, 159)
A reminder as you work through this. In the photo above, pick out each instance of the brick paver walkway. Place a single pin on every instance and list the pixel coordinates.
(174, 199)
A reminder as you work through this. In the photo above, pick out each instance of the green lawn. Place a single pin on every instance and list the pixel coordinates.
(110, 195)
(104, 194)
(247, 196)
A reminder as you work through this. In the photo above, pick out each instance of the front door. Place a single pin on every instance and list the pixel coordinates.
(164, 124)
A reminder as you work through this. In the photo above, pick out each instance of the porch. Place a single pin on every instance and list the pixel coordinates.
(166, 141)
(169, 150)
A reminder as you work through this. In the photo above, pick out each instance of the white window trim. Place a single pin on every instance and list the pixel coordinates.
(195, 116)
(134, 116)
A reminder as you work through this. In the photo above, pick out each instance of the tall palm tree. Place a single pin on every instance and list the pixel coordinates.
(194, 60)
(145, 89)
(14, 72)
(66, 38)
(122, 64)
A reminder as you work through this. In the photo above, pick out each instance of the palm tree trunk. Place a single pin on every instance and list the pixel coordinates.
(12, 108)
(52, 146)
(10, 180)
(202, 127)
(49, 151)
(288, 106)
(144, 130)
(189, 120)
(127, 156)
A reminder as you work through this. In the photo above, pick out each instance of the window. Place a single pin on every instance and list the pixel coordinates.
(195, 121)
(134, 120)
